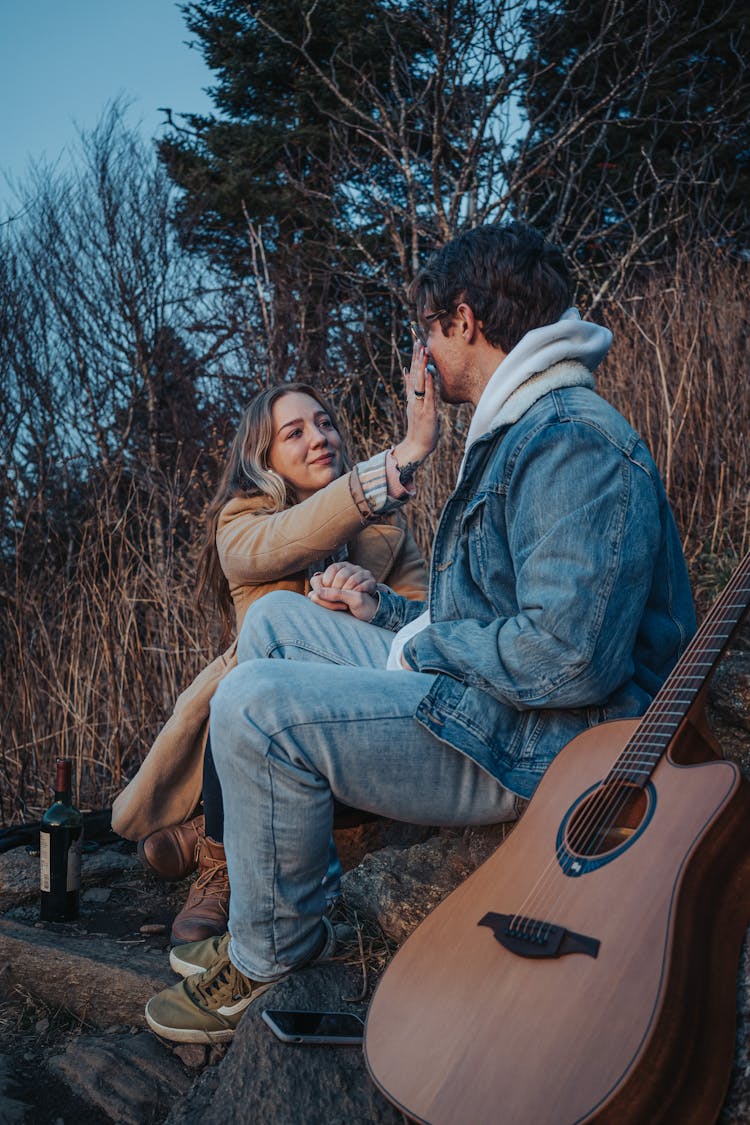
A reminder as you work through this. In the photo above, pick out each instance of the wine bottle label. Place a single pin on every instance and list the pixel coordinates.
(44, 861)
(71, 860)
(74, 863)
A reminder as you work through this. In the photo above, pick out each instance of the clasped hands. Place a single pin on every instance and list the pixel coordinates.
(346, 586)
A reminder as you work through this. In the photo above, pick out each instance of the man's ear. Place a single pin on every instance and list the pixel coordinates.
(468, 325)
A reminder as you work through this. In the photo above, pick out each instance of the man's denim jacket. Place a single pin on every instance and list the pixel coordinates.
(559, 594)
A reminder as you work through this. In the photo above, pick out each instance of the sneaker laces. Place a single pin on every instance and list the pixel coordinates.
(222, 983)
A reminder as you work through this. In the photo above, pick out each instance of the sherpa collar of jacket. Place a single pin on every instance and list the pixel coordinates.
(562, 354)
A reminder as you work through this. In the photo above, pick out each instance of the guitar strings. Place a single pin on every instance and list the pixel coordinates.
(659, 724)
(638, 756)
(585, 837)
(611, 798)
(667, 711)
(603, 808)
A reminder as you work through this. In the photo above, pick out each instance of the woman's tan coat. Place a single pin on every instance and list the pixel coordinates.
(255, 548)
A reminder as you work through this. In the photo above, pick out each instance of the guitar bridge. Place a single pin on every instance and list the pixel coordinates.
(529, 937)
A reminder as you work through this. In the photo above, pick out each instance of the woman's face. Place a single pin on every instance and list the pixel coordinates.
(306, 447)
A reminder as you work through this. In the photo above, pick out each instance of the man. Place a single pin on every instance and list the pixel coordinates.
(558, 598)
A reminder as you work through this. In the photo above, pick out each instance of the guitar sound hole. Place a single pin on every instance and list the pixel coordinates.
(606, 819)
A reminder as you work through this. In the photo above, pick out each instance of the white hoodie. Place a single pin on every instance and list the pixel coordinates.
(558, 355)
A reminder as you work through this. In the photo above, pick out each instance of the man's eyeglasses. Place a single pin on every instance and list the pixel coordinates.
(418, 332)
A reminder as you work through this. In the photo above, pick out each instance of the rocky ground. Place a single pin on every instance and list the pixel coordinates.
(73, 1043)
(73, 1040)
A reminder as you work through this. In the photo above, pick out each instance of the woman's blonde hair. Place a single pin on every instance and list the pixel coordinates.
(247, 473)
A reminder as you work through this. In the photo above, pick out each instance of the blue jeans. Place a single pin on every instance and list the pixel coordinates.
(288, 738)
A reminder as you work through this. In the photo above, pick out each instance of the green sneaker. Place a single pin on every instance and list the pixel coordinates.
(206, 1007)
(195, 956)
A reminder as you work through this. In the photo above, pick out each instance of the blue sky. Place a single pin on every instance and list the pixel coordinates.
(62, 61)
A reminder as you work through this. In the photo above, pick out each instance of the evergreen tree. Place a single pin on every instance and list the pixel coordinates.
(640, 124)
(265, 189)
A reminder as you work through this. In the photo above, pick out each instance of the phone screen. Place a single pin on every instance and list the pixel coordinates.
(315, 1026)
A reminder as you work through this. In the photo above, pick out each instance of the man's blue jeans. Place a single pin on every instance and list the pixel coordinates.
(323, 719)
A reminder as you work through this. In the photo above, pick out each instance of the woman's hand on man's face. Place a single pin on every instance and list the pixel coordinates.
(422, 423)
(345, 586)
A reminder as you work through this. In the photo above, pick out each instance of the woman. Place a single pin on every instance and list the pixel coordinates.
(287, 505)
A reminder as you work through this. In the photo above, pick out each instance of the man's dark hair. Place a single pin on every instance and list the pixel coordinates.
(509, 276)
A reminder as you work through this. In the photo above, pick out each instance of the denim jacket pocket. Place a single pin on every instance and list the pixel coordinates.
(541, 734)
(529, 730)
(596, 715)
(474, 532)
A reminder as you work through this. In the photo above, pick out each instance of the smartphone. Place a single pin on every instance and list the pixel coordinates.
(315, 1027)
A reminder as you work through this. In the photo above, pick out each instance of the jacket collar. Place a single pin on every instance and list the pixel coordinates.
(569, 343)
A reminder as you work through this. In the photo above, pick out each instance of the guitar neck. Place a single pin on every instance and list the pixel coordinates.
(682, 687)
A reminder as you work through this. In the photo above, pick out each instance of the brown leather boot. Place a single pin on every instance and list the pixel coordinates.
(172, 853)
(206, 912)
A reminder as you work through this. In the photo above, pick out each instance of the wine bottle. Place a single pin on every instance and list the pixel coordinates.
(60, 844)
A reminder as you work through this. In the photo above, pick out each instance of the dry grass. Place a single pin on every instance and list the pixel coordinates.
(679, 373)
(94, 657)
(23, 1014)
(361, 943)
(96, 648)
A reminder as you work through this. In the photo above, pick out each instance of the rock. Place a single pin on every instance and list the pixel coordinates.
(736, 1109)
(261, 1079)
(130, 1078)
(12, 1111)
(97, 894)
(98, 979)
(398, 888)
(353, 844)
(728, 708)
(730, 691)
(193, 1055)
(19, 872)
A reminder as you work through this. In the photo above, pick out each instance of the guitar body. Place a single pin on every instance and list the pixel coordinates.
(639, 1028)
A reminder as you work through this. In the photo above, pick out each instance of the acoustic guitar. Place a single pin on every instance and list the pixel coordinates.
(587, 970)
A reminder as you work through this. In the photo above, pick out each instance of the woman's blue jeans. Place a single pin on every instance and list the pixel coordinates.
(322, 719)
